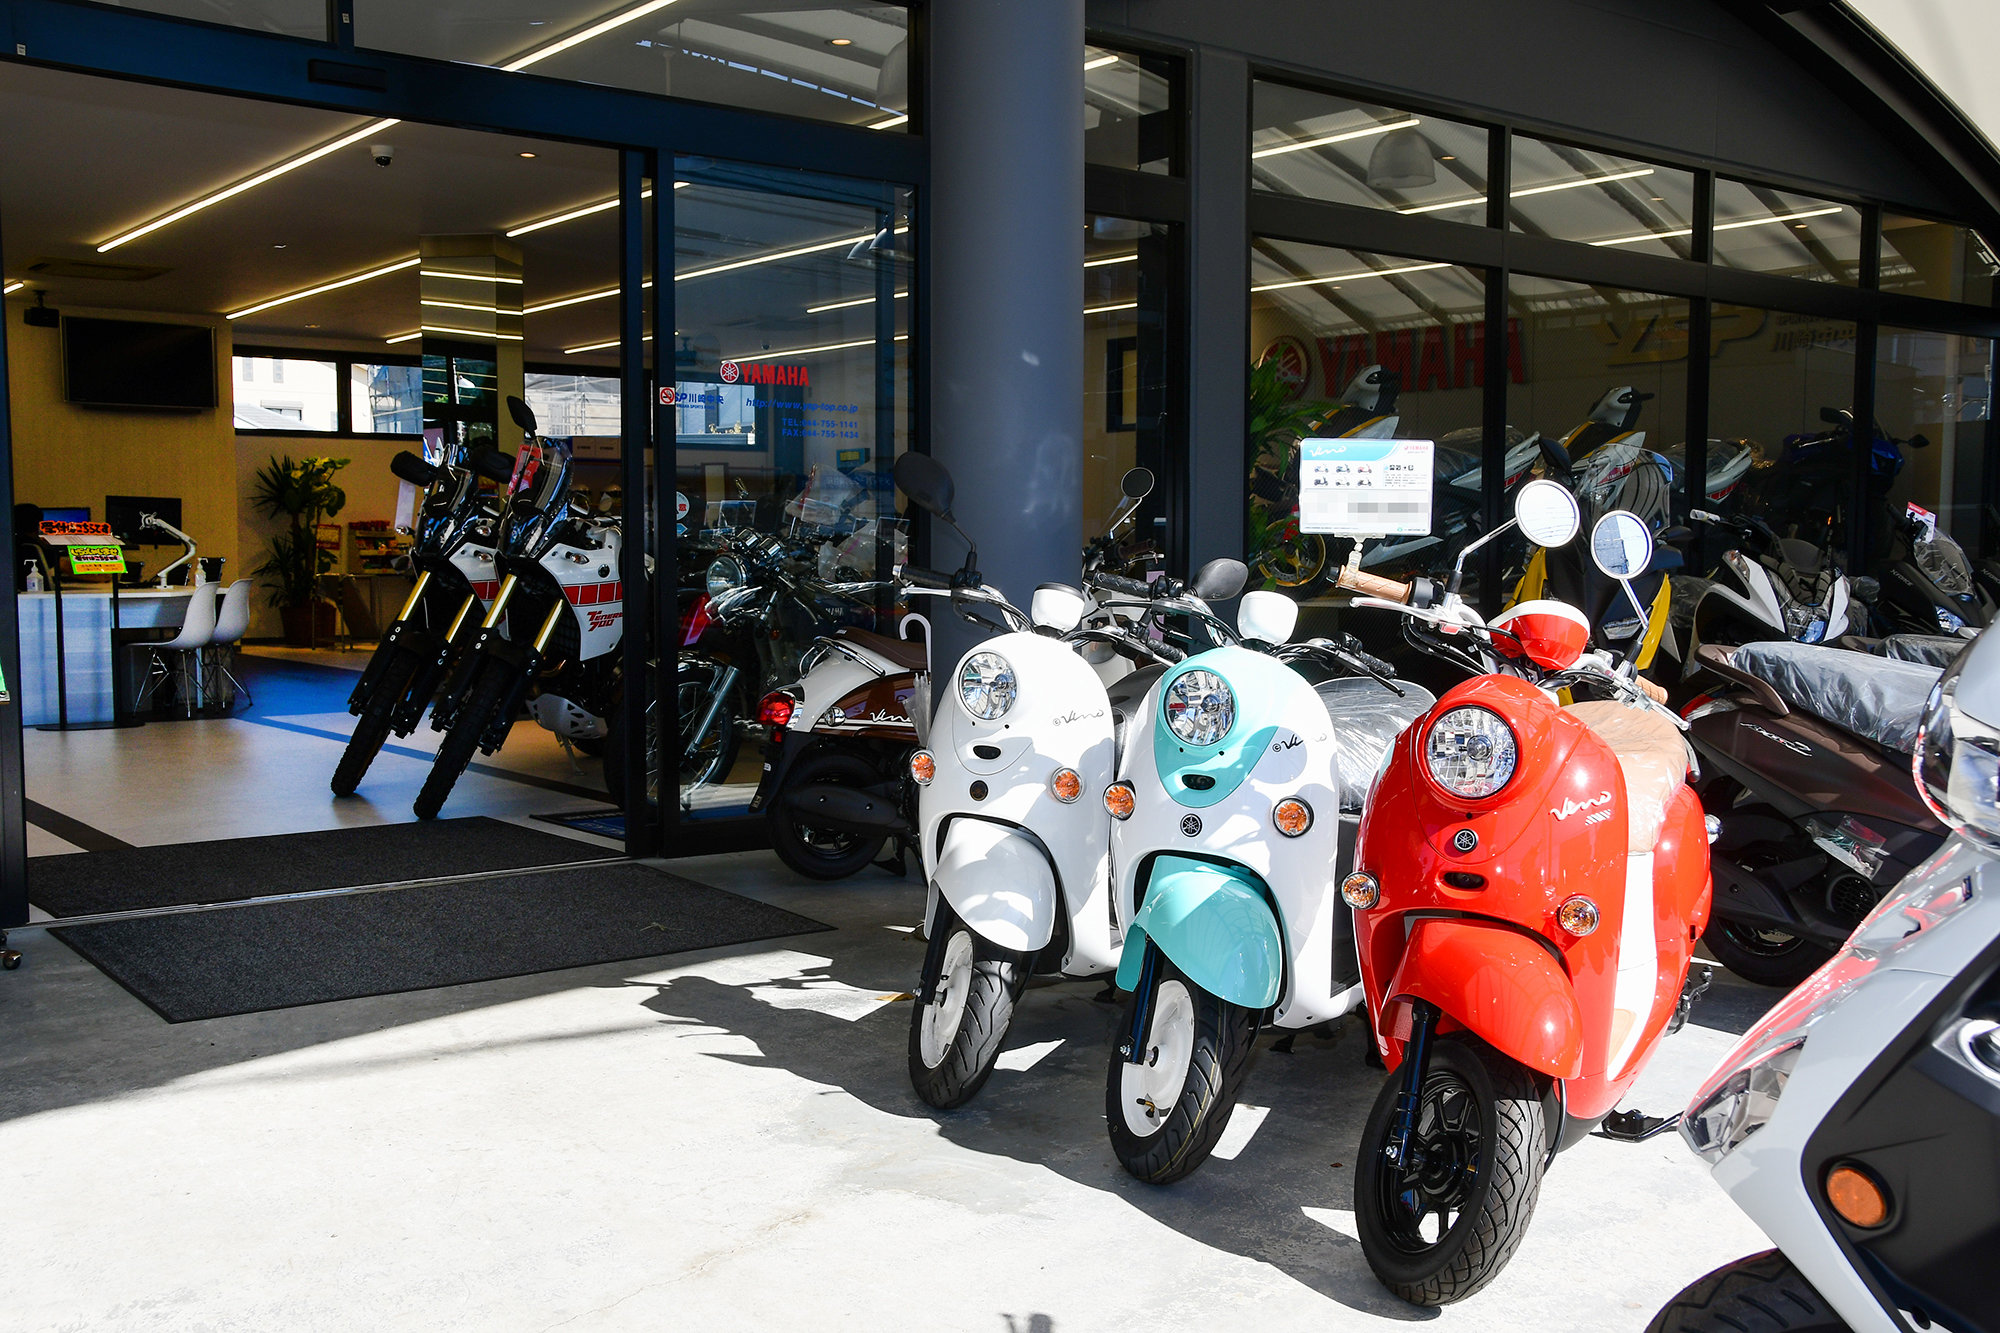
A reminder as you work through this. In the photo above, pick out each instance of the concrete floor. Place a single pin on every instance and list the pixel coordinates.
(727, 1140)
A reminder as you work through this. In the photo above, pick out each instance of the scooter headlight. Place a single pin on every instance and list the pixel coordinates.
(1741, 1104)
(1471, 752)
(986, 686)
(724, 574)
(1200, 708)
(1947, 622)
(1957, 763)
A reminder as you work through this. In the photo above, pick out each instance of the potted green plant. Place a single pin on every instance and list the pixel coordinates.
(302, 492)
(1277, 420)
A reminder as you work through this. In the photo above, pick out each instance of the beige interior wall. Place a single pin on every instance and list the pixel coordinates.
(67, 455)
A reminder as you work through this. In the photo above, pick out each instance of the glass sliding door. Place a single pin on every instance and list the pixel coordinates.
(792, 298)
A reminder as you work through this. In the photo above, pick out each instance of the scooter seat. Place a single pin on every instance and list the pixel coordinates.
(908, 654)
(1651, 753)
(1875, 698)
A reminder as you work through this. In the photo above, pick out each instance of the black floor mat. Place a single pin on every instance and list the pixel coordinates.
(231, 869)
(239, 960)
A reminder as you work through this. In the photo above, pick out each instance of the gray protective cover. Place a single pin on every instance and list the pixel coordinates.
(1930, 649)
(1876, 698)
(1367, 717)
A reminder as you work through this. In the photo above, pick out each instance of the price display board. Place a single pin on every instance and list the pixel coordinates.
(1365, 488)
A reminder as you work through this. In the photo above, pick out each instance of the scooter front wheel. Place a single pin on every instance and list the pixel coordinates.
(1167, 1109)
(955, 1038)
(1763, 1293)
(1767, 957)
(1442, 1224)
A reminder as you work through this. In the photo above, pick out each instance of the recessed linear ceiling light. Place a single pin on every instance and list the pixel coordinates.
(599, 347)
(1720, 226)
(404, 337)
(465, 305)
(465, 277)
(1533, 189)
(842, 305)
(1346, 277)
(11, 288)
(1108, 309)
(812, 351)
(583, 212)
(373, 127)
(892, 122)
(481, 335)
(1101, 62)
(335, 285)
(1111, 259)
(730, 266)
(1321, 141)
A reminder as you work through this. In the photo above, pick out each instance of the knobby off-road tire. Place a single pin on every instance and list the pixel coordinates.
(823, 853)
(1196, 1055)
(460, 743)
(373, 727)
(955, 1039)
(1759, 1294)
(1479, 1110)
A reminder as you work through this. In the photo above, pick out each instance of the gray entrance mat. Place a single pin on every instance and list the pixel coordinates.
(125, 879)
(239, 960)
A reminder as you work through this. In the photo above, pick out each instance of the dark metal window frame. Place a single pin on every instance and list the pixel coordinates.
(343, 369)
(647, 131)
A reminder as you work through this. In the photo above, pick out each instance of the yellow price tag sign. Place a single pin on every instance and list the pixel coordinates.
(97, 559)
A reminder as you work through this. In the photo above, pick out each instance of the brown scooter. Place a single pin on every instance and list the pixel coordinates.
(1805, 778)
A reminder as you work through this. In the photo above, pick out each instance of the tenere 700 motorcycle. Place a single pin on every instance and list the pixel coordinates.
(454, 563)
(554, 623)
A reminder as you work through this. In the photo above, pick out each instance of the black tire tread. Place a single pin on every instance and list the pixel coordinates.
(997, 983)
(1784, 972)
(1519, 1151)
(785, 829)
(461, 741)
(372, 730)
(1762, 1293)
(1225, 1036)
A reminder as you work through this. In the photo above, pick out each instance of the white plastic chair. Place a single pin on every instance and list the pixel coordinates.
(231, 620)
(197, 629)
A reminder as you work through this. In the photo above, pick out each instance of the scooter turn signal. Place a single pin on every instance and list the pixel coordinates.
(1577, 915)
(1291, 816)
(1361, 890)
(1066, 784)
(923, 767)
(1119, 800)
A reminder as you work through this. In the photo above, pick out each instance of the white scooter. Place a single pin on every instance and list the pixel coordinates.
(1859, 1122)
(1237, 799)
(1769, 587)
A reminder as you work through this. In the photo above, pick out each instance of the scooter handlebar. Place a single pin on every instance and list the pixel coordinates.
(1128, 587)
(412, 469)
(1373, 585)
(923, 578)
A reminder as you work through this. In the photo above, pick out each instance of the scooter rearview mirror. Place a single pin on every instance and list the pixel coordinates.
(1832, 416)
(926, 482)
(1621, 545)
(1547, 513)
(1220, 579)
(524, 416)
(1920, 441)
(1138, 483)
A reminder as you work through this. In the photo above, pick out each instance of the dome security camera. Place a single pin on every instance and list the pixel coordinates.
(383, 153)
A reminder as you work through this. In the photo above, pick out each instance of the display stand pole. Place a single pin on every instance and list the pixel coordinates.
(121, 716)
(62, 658)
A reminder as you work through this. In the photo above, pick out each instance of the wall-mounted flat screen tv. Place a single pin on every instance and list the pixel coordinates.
(126, 363)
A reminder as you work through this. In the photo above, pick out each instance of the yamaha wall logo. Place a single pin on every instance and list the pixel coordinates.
(1191, 825)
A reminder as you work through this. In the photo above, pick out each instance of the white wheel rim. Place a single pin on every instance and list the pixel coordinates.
(1148, 1090)
(946, 1010)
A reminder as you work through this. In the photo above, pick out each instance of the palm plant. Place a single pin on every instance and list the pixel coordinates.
(1276, 422)
(303, 492)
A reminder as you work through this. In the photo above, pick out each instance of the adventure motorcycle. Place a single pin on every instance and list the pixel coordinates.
(553, 626)
(1767, 587)
(1239, 785)
(1529, 883)
(453, 559)
(1858, 1123)
(1730, 463)
(1929, 587)
(1805, 755)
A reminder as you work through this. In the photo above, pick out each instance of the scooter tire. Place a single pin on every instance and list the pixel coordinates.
(1783, 968)
(1494, 1210)
(1762, 1293)
(1223, 1035)
(792, 840)
(372, 729)
(983, 982)
(461, 741)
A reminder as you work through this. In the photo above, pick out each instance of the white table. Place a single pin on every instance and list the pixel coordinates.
(86, 640)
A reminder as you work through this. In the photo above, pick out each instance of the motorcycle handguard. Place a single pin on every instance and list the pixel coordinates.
(1501, 985)
(1216, 925)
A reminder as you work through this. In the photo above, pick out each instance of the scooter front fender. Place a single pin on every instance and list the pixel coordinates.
(999, 882)
(1500, 985)
(1217, 926)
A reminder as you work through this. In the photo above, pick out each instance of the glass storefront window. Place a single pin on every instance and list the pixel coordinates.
(1126, 269)
(841, 62)
(285, 393)
(1766, 230)
(571, 405)
(386, 400)
(1774, 378)
(791, 296)
(293, 18)
(1582, 194)
(1347, 343)
(1320, 146)
(1129, 119)
(1939, 260)
(1933, 397)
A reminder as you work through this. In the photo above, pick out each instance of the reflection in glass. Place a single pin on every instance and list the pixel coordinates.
(1320, 146)
(572, 405)
(1582, 194)
(1129, 120)
(848, 63)
(1125, 280)
(792, 298)
(1937, 387)
(386, 399)
(1940, 260)
(1362, 345)
(1765, 230)
(284, 393)
(293, 18)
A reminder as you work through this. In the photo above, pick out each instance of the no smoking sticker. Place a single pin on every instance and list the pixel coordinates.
(666, 395)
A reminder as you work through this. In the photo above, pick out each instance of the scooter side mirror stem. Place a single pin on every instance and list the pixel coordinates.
(1458, 570)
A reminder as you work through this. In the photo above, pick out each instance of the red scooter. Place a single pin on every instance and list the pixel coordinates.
(1530, 882)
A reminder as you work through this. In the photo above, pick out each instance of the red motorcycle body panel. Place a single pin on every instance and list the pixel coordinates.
(1556, 830)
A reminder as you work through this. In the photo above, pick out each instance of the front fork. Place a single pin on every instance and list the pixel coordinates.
(721, 684)
(1134, 1047)
(1416, 1057)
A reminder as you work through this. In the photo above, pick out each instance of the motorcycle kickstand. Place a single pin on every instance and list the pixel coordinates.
(1692, 989)
(1634, 1126)
(1416, 1061)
